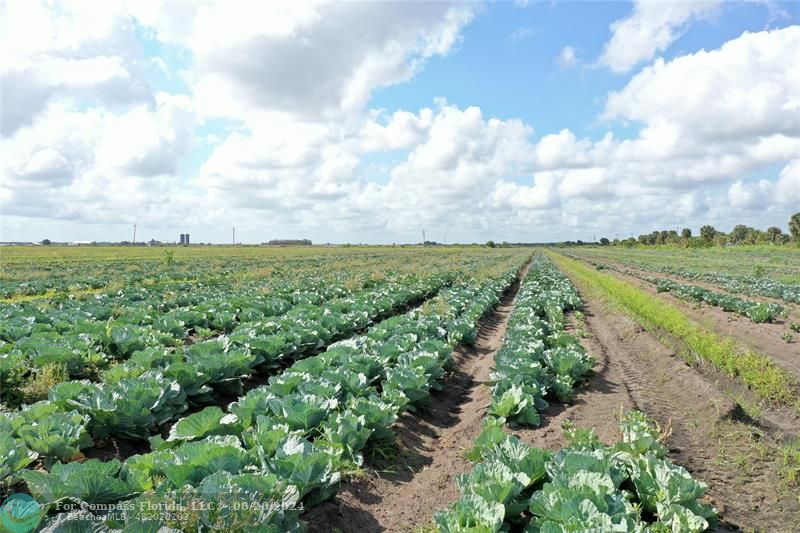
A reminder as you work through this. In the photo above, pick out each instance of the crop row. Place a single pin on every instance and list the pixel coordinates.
(288, 441)
(750, 285)
(537, 358)
(90, 333)
(88, 337)
(154, 386)
(586, 486)
(758, 312)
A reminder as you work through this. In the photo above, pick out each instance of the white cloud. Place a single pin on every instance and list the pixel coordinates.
(787, 188)
(650, 29)
(402, 130)
(66, 50)
(89, 141)
(749, 195)
(567, 58)
(304, 57)
(522, 33)
(747, 88)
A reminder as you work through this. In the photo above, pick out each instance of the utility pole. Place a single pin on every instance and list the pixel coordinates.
(134, 234)
(234, 235)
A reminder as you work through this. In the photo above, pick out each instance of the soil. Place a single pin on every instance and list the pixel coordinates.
(431, 444)
(709, 434)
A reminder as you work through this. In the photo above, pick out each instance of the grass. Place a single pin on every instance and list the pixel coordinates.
(790, 464)
(744, 447)
(757, 371)
(42, 381)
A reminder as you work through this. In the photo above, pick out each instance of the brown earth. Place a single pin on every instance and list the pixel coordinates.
(430, 446)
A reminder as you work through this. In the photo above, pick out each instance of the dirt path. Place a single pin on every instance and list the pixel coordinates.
(430, 446)
(635, 370)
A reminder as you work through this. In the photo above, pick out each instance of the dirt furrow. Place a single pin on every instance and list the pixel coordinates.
(420, 478)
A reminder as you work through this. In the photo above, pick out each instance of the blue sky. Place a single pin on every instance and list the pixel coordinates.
(368, 122)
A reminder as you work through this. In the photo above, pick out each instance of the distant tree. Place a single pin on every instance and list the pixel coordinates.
(490, 244)
(774, 234)
(604, 241)
(707, 233)
(794, 227)
(45, 242)
(739, 233)
(686, 233)
(755, 236)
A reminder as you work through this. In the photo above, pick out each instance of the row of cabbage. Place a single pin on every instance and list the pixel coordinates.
(587, 486)
(52, 273)
(538, 358)
(739, 284)
(89, 336)
(90, 332)
(136, 398)
(758, 312)
(281, 447)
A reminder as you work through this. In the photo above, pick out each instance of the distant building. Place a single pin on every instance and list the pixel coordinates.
(187, 238)
(290, 242)
(184, 238)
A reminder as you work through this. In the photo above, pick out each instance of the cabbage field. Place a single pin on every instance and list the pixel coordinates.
(251, 389)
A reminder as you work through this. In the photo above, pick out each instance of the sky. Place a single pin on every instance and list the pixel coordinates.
(369, 122)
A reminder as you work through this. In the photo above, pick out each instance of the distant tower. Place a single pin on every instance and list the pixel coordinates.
(187, 238)
(183, 238)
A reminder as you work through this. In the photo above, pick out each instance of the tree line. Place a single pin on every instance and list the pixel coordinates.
(710, 236)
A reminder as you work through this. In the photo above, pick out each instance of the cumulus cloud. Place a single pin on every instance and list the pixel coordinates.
(746, 88)
(650, 29)
(88, 139)
(304, 57)
(75, 50)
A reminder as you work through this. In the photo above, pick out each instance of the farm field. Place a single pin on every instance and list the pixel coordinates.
(458, 388)
(409, 267)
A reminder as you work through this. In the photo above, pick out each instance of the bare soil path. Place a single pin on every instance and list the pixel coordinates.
(430, 446)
